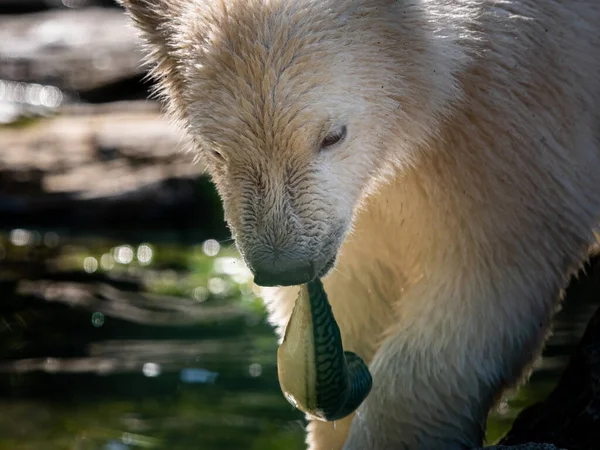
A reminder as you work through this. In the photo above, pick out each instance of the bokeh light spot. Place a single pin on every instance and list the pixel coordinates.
(107, 261)
(216, 286)
(144, 254)
(51, 239)
(97, 319)
(90, 264)
(151, 369)
(200, 294)
(255, 370)
(211, 247)
(123, 254)
(19, 237)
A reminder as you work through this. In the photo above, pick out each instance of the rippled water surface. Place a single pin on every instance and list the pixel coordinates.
(160, 345)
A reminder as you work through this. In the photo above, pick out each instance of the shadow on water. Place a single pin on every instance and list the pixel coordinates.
(109, 346)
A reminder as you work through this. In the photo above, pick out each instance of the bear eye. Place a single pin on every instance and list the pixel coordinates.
(334, 138)
(217, 155)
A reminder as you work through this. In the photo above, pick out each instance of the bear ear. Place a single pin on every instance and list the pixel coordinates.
(147, 14)
(156, 19)
(152, 17)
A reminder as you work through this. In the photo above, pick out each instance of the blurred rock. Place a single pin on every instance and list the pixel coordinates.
(27, 6)
(109, 168)
(182, 208)
(75, 50)
(96, 150)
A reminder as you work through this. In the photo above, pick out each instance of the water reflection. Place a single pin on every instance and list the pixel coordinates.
(30, 93)
(112, 345)
(96, 356)
(16, 97)
(195, 375)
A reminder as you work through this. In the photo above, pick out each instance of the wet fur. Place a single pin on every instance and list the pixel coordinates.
(463, 197)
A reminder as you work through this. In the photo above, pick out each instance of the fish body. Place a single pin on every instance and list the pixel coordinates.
(316, 375)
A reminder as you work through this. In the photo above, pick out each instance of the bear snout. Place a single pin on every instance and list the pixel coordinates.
(283, 272)
(289, 259)
(289, 271)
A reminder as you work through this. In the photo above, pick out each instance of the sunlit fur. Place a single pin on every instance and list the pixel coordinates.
(463, 195)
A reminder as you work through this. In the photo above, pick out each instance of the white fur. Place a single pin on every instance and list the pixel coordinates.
(470, 179)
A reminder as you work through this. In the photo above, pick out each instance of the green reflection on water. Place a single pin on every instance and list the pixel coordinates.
(110, 346)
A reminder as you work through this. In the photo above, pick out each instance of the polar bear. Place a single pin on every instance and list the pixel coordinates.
(436, 162)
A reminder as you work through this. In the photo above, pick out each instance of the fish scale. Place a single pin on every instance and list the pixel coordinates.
(335, 381)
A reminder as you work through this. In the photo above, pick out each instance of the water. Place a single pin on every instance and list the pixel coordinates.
(106, 345)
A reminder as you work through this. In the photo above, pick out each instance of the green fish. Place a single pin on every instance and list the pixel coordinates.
(316, 375)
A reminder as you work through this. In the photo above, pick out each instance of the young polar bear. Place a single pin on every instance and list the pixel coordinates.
(436, 161)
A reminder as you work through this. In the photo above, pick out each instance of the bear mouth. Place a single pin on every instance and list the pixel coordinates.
(328, 267)
(301, 271)
(295, 280)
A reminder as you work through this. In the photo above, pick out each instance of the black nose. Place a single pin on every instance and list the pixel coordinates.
(284, 274)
